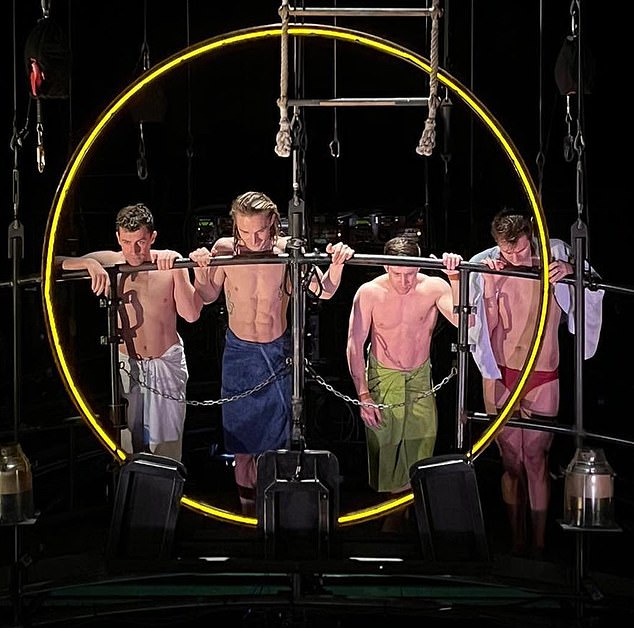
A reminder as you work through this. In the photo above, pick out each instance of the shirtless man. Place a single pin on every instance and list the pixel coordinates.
(257, 341)
(151, 350)
(398, 310)
(509, 306)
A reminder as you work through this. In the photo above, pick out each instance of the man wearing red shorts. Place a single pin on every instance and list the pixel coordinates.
(507, 308)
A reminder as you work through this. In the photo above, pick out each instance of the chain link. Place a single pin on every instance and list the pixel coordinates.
(212, 402)
(382, 406)
(309, 369)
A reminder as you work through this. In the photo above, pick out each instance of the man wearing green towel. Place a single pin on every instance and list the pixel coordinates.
(398, 310)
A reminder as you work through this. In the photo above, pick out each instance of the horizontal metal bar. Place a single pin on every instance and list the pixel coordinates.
(25, 281)
(359, 102)
(547, 426)
(359, 259)
(359, 12)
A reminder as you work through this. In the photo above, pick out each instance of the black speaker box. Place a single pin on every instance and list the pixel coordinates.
(297, 502)
(448, 510)
(146, 507)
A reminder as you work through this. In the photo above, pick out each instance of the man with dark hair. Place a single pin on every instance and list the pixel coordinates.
(398, 310)
(152, 351)
(257, 344)
(505, 319)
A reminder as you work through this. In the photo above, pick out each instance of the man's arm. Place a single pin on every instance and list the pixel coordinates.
(94, 264)
(358, 330)
(479, 336)
(492, 317)
(330, 280)
(488, 395)
(187, 301)
(450, 296)
(490, 304)
(208, 281)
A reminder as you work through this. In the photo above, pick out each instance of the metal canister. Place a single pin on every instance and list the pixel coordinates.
(589, 490)
(16, 485)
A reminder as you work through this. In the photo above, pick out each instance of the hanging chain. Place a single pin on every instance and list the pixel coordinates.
(212, 402)
(382, 406)
(309, 369)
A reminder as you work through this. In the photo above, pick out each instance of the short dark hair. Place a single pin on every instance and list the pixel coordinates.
(133, 217)
(509, 225)
(402, 245)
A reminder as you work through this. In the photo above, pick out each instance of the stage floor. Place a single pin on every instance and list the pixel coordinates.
(222, 571)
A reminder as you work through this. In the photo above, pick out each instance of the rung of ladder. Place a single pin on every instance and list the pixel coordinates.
(358, 102)
(359, 12)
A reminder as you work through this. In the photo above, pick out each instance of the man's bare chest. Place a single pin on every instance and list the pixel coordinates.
(146, 287)
(395, 312)
(262, 282)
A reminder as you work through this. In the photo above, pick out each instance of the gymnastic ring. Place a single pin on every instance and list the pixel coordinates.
(222, 42)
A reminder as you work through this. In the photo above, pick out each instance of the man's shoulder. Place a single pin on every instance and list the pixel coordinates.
(224, 246)
(493, 251)
(374, 286)
(106, 257)
(558, 246)
(427, 283)
(280, 244)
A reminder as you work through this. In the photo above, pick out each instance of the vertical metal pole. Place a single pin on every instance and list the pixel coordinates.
(579, 237)
(297, 298)
(117, 410)
(579, 243)
(463, 309)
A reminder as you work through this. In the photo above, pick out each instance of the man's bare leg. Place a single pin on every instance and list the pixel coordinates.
(538, 523)
(515, 498)
(394, 522)
(245, 472)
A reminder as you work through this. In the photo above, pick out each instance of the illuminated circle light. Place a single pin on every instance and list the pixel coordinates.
(250, 35)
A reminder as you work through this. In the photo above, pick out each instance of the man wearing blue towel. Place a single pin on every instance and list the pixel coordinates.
(258, 341)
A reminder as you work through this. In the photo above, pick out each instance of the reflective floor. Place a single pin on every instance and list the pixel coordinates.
(214, 570)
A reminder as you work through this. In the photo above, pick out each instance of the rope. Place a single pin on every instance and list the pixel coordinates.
(283, 138)
(428, 138)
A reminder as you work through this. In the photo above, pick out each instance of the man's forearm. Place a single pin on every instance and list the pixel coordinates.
(204, 285)
(356, 366)
(331, 280)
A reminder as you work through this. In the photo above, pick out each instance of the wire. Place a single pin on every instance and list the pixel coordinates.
(540, 159)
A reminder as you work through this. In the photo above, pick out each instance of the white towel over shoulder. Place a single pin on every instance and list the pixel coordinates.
(564, 295)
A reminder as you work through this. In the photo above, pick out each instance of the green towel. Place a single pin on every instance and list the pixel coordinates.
(408, 432)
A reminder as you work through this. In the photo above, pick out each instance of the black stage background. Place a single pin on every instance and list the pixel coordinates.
(209, 135)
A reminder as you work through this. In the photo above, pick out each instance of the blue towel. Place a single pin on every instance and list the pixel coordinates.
(261, 421)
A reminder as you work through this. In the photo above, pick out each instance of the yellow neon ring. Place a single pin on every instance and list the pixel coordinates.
(260, 33)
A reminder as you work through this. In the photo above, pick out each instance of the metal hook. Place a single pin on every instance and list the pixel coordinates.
(40, 155)
(141, 162)
(574, 26)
